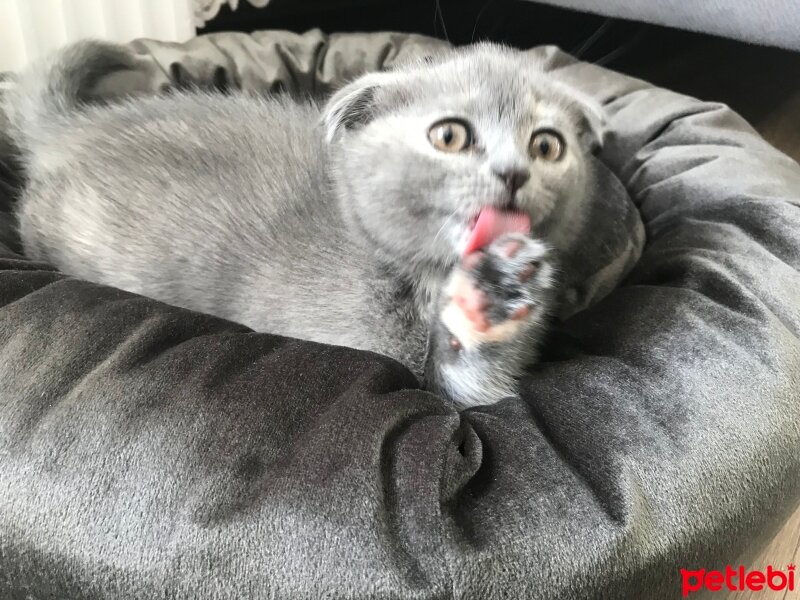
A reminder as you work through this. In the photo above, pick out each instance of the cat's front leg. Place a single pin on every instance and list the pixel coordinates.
(490, 318)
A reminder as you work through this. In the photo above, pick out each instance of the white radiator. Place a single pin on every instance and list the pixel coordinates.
(30, 28)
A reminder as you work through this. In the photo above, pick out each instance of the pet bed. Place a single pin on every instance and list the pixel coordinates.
(151, 452)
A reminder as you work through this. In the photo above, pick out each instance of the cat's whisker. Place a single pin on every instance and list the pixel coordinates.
(445, 224)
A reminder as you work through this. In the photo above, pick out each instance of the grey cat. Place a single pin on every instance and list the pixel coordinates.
(416, 214)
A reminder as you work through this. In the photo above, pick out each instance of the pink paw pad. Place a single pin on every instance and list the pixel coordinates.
(510, 248)
(473, 302)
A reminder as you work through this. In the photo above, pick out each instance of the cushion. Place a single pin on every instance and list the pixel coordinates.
(148, 451)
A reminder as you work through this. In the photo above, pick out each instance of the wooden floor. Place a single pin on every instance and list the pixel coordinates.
(784, 550)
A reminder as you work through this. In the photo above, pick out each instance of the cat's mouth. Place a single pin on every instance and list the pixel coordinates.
(491, 223)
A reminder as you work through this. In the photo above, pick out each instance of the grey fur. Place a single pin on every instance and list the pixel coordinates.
(339, 224)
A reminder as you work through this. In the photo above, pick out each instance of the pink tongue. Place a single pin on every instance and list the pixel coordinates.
(492, 223)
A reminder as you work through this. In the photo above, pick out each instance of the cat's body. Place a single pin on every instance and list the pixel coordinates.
(223, 246)
(345, 224)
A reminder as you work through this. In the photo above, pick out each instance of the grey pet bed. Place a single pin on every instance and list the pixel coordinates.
(150, 452)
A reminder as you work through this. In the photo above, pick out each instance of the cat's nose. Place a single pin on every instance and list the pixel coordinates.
(513, 178)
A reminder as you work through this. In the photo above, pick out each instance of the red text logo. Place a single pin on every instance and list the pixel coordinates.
(737, 580)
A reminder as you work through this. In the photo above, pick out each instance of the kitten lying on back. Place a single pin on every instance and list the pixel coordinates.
(405, 217)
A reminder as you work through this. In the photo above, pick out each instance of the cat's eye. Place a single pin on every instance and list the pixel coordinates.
(451, 135)
(546, 145)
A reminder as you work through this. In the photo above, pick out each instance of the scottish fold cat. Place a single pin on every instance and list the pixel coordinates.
(419, 212)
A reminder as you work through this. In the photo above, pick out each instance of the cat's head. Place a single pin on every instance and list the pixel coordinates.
(417, 152)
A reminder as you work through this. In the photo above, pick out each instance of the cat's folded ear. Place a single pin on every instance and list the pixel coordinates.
(592, 124)
(355, 104)
(590, 117)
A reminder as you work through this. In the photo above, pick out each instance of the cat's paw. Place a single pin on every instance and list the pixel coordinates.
(498, 292)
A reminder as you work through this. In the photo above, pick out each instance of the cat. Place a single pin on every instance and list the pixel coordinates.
(417, 213)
